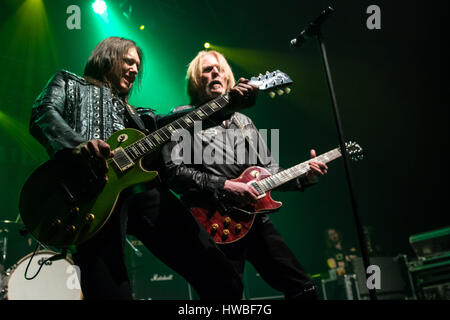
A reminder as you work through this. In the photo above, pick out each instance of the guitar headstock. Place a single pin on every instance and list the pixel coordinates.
(276, 81)
(354, 150)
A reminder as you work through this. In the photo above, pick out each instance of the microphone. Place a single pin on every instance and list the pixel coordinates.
(312, 29)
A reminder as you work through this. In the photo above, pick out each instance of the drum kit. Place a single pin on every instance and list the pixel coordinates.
(26, 274)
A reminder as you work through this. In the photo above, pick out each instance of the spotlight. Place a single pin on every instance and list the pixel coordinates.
(142, 27)
(207, 45)
(99, 6)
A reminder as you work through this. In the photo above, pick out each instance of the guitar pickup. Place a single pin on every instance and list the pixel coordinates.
(122, 159)
(257, 187)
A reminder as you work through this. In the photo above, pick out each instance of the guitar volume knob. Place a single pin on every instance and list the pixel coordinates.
(238, 227)
(89, 218)
(226, 221)
(56, 223)
(225, 234)
(75, 210)
(71, 228)
(214, 228)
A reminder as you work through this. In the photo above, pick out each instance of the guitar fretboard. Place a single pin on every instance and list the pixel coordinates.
(151, 142)
(157, 138)
(296, 171)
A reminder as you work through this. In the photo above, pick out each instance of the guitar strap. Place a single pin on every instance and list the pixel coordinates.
(134, 116)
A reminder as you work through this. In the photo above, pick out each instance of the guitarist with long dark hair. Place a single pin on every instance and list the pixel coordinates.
(205, 184)
(72, 118)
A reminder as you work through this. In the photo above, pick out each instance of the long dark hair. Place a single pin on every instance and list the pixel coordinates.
(327, 237)
(106, 59)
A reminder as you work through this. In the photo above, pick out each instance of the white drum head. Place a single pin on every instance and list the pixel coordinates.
(57, 280)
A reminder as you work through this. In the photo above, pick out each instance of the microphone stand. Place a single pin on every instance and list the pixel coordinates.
(135, 250)
(364, 252)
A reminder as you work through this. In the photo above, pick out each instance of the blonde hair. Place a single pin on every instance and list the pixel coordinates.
(194, 73)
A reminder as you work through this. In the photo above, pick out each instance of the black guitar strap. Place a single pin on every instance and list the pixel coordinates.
(134, 116)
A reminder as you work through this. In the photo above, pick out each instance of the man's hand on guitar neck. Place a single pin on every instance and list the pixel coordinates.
(243, 94)
(317, 168)
(94, 153)
(245, 194)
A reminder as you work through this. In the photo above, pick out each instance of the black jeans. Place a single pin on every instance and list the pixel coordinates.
(266, 250)
(171, 233)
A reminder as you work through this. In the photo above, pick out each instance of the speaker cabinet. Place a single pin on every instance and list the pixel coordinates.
(396, 283)
(150, 278)
(256, 288)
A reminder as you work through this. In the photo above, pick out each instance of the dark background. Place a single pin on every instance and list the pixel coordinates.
(390, 86)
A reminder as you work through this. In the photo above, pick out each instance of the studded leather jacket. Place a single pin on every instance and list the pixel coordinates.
(71, 110)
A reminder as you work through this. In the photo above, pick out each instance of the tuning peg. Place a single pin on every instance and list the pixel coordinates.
(287, 90)
(272, 94)
(280, 92)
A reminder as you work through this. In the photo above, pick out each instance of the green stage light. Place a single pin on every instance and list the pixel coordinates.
(207, 45)
(142, 27)
(99, 6)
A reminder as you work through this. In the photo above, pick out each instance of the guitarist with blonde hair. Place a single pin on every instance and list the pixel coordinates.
(206, 184)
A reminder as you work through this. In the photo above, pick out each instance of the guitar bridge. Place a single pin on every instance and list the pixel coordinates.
(122, 160)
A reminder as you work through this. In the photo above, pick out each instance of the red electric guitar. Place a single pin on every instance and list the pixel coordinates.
(231, 222)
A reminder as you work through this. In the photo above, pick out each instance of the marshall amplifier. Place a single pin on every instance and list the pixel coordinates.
(150, 278)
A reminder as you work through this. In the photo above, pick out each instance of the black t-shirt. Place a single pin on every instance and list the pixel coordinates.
(339, 257)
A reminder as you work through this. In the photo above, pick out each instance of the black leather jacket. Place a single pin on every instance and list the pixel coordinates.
(204, 182)
(71, 110)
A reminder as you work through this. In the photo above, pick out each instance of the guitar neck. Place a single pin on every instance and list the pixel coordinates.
(159, 137)
(296, 171)
(153, 141)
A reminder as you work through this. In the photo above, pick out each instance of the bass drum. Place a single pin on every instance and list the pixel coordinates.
(57, 280)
